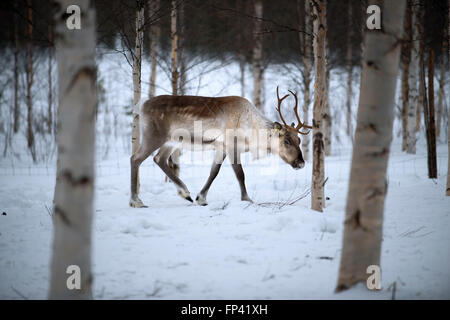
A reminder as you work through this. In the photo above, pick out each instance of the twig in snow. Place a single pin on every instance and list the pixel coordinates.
(18, 293)
(394, 289)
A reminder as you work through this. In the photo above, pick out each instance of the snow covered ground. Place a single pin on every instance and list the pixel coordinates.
(230, 249)
(277, 248)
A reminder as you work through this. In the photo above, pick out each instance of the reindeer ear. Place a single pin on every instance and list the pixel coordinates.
(277, 126)
(293, 124)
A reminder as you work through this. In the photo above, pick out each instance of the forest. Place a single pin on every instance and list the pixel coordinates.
(91, 92)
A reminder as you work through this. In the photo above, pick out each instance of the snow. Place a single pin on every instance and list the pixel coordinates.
(277, 248)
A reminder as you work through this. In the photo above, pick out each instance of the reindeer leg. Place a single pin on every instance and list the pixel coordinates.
(161, 159)
(239, 172)
(218, 160)
(137, 158)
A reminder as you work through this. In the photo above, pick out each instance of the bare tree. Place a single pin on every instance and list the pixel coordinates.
(174, 37)
(349, 67)
(327, 124)
(373, 135)
(74, 190)
(406, 59)
(16, 69)
(413, 71)
(422, 93)
(318, 170)
(257, 55)
(137, 62)
(306, 42)
(155, 31)
(428, 115)
(181, 49)
(448, 113)
(29, 72)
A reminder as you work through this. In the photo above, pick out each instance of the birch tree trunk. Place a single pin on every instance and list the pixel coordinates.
(257, 55)
(16, 70)
(74, 190)
(349, 59)
(373, 136)
(137, 61)
(174, 37)
(241, 54)
(155, 31)
(307, 65)
(29, 72)
(318, 170)
(181, 50)
(422, 93)
(413, 93)
(406, 59)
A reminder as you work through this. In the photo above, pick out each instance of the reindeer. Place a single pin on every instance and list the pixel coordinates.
(162, 116)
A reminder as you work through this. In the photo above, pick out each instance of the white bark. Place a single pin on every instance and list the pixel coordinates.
(413, 90)
(349, 61)
(174, 37)
(257, 55)
(74, 190)
(307, 65)
(318, 170)
(155, 31)
(137, 61)
(368, 185)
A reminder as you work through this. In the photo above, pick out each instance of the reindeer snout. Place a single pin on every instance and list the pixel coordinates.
(298, 164)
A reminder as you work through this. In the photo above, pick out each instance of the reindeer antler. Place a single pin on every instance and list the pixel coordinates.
(300, 123)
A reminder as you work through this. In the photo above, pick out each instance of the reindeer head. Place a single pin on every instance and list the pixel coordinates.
(288, 143)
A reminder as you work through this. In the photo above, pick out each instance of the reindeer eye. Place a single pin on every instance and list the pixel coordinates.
(287, 142)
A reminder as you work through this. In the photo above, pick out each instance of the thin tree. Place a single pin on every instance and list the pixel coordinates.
(406, 59)
(16, 70)
(318, 170)
(306, 56)
(257, 54)
(428, 115)
(181, 49)
(413, 71)
(368, 185)
(241, 41)
(155, 31)
(422, 91)
(30, 76)
(349, 61)
(448, 111)
(137, 62)
(174, 38)
(74, 190)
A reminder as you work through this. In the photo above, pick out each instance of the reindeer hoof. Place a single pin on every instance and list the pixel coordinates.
(185, 195)
(246, 198)
(189, 199)
(201, 200)
(137, 203)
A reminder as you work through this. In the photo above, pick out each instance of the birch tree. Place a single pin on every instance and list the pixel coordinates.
(181, 50)
(318, 170)
(30, 78)
(74, 190)
(368, 185)
(422, 93)
(306, 42)
(155, 31)
(406, 79)
(413, 93)
(326, 108)
(50, 77)
(174, 38)
(137, 61)
(448, 113)
(257, 54)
